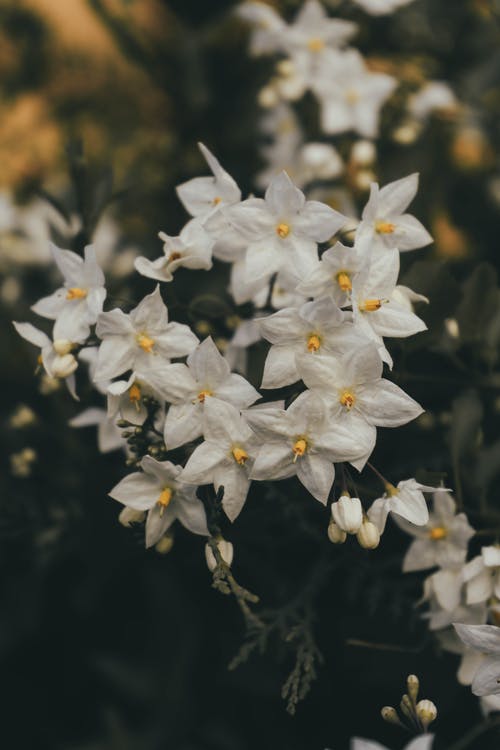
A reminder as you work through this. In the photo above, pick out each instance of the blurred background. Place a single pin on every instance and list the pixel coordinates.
(105, 646)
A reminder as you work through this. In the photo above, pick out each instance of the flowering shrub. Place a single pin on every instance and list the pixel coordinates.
(259, 400)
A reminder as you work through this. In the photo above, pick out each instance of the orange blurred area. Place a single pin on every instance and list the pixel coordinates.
(66, 72)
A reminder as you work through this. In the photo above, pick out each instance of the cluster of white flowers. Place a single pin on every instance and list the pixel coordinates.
(334, 312)
(462, 593)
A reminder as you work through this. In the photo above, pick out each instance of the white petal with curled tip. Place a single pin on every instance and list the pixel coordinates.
(484, 638)
(153, 269)
(202, 463)
(316, 474)
(318, 222)
(487, 678)
(69, 263)
(32, 334)
(138, 491)
(394, 198)
(384, 404)
(183, 424)
(51, 306)
(151, 313)
(236, 483)
(283, 198)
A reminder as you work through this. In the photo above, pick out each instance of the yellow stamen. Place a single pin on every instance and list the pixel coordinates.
(352, 96)
(164, 499)
(282, 230)
(203, 394)
(384, 227)
(316, 44)
(344, 281)
(174, 256)
(134, 394)
(313, 342)
(370, 305)
(145, 343)
(76, 293)
(348, 400)
(216, 201)
(391, 490)
(239, 455)
(437, 533)
(299, 448)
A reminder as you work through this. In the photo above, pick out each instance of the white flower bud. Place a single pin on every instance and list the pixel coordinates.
(335, 534)
(62, 346)
(267, 97)
(452, 328)
(364, 153)
(165, 544)
(348, 513)
(413, 686)
(64, 366)
(426, 712)
(390, 714)
(368, 535)
(364, 179)
(129, 515)
(226, 550)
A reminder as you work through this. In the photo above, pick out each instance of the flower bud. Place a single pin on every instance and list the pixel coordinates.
(165, 544)
(426, 712)
(348, 513)
(413, 685)
(335, 534)
(226, 550)
(64, 366)
(406, 707)
(267, 97)
(62, 346)
(368, 535)
(390, 715)
(364, 153)
(129, 516)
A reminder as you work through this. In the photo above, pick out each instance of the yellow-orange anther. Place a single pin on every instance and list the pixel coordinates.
(203, 394)
(316, 44)
(313, 342)
(174, 256)
(437, 533)
(145, 343)
(76, 293)
(370, 305)
(344, 281)
(164, 499)
(299, 448)
(390, 489)
(352, 96)
(282, 230)
(348, 399)
(134, 393)
(240, 455)
(384, 227)
(216, 201)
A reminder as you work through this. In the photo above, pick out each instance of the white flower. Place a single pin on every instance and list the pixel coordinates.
(157, 490)
(375, 310)
(281, 231)
(381, 7)
(486, 640)
(423, 742)
(226, 455)
(304, 440)
(350, 95)
(482, 576)
(55, 356)
(444, 539)
(405, 500)
(314, 327)
(188, 387)
(140, 341)
(384, 223)
(109, 437)
(334, 274)
(76, 305)
(191, 249)
(347, 513)
(201, 196)
(269, 26)
(359, 398)
(433, 96)
(126, 399)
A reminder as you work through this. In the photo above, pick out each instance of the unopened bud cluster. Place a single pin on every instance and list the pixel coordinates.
(348, 518)
(415, 715)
